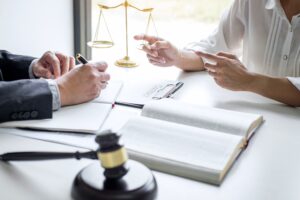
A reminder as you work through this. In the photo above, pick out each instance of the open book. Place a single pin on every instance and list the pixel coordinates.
(196, 142)
(86, 117)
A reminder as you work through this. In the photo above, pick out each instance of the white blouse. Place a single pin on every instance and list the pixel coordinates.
(260, 32)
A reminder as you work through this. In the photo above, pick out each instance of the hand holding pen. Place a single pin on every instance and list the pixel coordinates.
(167, 94)
(84, 61)
(82, 84)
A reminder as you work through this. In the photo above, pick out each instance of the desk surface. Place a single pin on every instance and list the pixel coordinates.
(267, 169)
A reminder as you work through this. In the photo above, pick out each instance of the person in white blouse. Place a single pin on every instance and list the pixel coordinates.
(264, 33)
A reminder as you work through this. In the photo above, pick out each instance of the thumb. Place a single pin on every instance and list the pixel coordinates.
(139, 37)
(228, 55)
(44, 73)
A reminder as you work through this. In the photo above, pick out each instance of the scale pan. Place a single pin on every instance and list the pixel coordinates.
(100, 44)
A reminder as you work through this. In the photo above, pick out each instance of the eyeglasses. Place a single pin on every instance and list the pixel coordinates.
(166, 90)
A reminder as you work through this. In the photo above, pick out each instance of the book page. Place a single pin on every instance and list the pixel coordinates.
(110, 93)
(87, 117)
(80, 140)
(227, 121)
(188, 146)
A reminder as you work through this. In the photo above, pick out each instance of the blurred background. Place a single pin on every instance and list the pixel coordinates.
(180, 21)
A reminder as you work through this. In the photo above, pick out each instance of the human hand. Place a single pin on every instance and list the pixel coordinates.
(83, 83)
(159, 51)
(228, 71)
(52, 65)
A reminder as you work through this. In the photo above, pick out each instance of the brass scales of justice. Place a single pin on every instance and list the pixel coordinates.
(98, 43)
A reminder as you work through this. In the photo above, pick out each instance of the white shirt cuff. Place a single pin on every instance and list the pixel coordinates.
(295, 81)
(30, 71)
(56, 104)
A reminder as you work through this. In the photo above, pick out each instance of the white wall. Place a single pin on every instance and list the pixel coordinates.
(31, 27)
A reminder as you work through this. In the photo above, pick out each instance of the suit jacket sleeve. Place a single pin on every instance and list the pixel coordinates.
(22, 99)
(14, 67)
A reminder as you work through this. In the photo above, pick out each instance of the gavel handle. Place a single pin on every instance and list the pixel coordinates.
(35, 156)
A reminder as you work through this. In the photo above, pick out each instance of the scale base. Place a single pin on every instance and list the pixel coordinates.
(126, 62)
(137, 184)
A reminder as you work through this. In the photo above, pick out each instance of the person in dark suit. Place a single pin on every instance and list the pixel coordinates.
(32, 88)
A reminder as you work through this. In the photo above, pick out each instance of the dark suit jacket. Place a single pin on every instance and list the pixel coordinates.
(20, 97)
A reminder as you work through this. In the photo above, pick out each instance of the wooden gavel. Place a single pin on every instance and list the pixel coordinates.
(111, 154)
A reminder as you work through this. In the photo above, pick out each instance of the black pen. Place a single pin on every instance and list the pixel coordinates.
(81, 59)
(132, 105)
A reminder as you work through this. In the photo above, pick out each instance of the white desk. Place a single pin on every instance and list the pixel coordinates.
(268, 169)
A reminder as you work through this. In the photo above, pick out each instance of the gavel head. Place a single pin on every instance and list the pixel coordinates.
(112, 154)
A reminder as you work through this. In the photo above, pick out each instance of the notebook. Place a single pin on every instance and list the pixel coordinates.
(186, 140)
(86, 117)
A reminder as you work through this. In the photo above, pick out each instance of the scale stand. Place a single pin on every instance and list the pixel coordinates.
(126, 62)
(100, 43)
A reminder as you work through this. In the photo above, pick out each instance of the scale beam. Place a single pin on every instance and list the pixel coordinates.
(102, 6)
(125, 61)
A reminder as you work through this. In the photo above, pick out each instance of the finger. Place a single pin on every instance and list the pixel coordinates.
(148, 50)
(103, 86)
(64, 62)
(45, 73)
(213, 74)
(156, 63)
(148, 38)
(216, 80)
(104, 77)
(53, 61)
(100, 66)
(98, 92)
(72, 63)
(210, 56)
(227, 55)
(161, 45)
(211, 67)
(156, 59)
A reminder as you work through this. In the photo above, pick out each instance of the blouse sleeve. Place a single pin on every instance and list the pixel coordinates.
(295, 81)
(228, 35)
